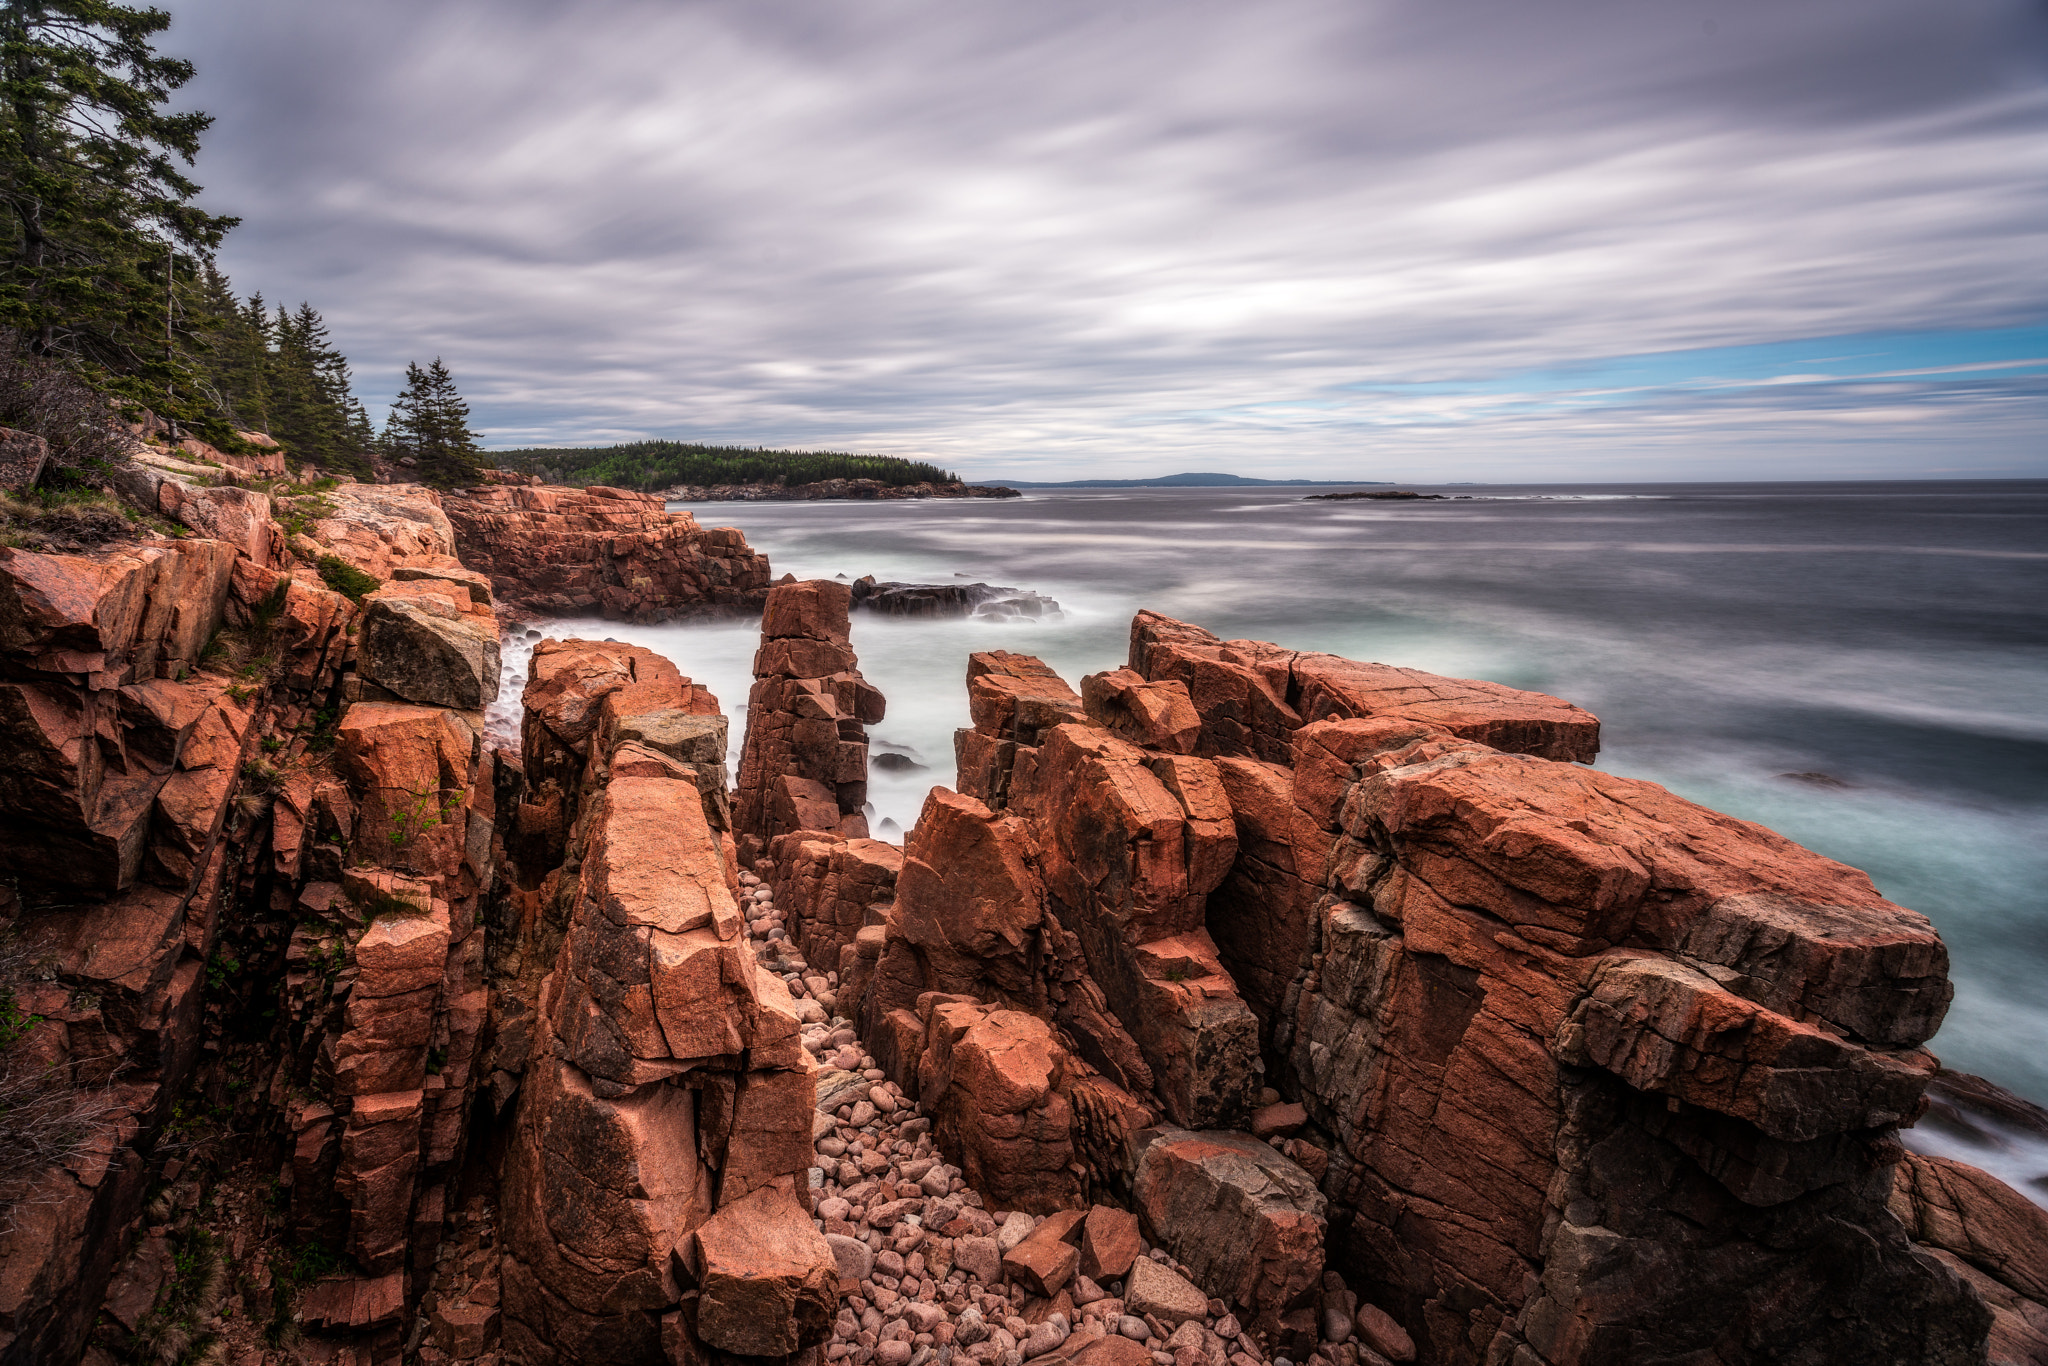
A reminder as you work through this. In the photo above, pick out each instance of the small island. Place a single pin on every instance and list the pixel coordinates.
(1386, 495)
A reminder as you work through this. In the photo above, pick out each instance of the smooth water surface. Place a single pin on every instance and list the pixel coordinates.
(1892, 637)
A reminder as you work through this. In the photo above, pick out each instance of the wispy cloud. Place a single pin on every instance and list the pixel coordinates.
(1462, 240)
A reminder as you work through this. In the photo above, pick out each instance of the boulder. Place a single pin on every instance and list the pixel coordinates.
(1165, 1295)
(1284, 1120)
(1150, 715)
(854, 1258)
(423, 649)
(991, 1081)
(1109, 1243)
(1377, 1329)
(1244, 1220)
(767, 1279)
(236, 516)
(1046, 1260)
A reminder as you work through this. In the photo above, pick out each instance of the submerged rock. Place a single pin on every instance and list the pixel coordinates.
(927, 600)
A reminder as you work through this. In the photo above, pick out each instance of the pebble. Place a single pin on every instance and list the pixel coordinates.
(924, 1296)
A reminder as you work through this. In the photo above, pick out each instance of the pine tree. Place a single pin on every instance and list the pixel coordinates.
(430, 425)
(100, 232)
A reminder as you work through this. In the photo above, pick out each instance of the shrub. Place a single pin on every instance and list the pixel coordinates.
(49, 399)
(46, 1117)
(346, 579)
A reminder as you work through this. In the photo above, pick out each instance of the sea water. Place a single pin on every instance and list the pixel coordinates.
(1889, 641)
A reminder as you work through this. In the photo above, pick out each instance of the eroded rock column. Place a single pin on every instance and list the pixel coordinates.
(804, 764)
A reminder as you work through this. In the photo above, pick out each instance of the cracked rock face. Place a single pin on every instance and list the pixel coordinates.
(1240, 982)
(422, 649)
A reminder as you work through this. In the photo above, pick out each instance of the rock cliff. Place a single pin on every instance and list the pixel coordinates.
(606, 552)
(1237, 1004)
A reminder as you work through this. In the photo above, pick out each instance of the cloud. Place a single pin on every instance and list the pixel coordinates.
(1062, 238)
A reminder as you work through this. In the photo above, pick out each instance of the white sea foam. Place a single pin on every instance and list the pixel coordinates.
(1724, 638)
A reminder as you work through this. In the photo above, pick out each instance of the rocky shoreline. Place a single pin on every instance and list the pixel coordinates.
(1240, 1005)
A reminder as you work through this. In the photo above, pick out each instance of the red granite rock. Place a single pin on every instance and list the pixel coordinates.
(1246, 1222)
(1046, 1260)
(991, 1079)
(768, 1283)
(1990, 1235)
(831, 887)
(1014, 699)
(1252, 695)
(602, 551)
(1109, 1243)
(1150, 715)
(803, 764)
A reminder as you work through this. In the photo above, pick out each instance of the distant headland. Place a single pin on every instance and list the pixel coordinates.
(693, 473)
(1192, 481)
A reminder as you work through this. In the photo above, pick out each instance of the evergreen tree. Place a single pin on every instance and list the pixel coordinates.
(99, 230)
(430, 425)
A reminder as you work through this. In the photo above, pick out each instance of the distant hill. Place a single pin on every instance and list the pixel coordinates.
(1191, 481)
(650, 465)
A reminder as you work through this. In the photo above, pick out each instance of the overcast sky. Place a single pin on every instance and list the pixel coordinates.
(1433, 239)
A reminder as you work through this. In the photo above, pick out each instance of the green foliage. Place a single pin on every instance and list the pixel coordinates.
(292, 1270)
(221, 969)
(427, 809)
(297, 515)
(430, 426)
(174, 1332)
(376, 905)
(264, 615)
(346, 579)
(100, 234)
(15, 1023)
(320, 729)
(106, 265)
(649, 465)
(281, 375)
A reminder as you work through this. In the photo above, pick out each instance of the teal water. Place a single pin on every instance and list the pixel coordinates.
(1890, 636)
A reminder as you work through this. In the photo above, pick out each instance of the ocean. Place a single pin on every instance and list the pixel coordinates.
(1888, 641)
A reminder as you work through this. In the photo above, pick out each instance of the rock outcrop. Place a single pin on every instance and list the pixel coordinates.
(925, 601)
(1548, 1028)
(1991, 1236)
(1244, 1003)
(804, 764)
(1253, 696)
(604, 552)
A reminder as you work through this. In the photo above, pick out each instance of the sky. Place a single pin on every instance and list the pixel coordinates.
(1424, 240)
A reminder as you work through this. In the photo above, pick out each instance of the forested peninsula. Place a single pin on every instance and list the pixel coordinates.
(692, 472)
